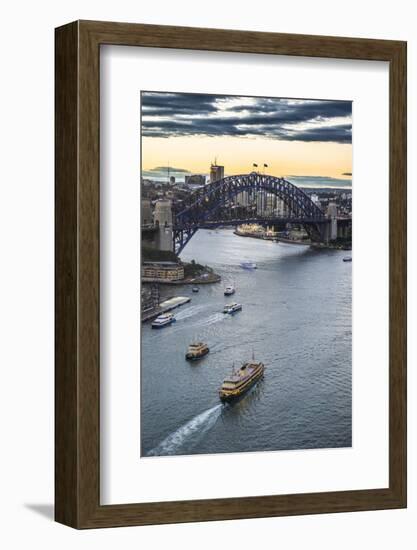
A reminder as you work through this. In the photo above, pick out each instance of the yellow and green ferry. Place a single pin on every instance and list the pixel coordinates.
(240, 381)
(196, 351)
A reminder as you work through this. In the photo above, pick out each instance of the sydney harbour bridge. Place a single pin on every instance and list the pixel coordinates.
(239, 199)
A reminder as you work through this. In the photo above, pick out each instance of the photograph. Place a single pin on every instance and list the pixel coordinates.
(246, 274)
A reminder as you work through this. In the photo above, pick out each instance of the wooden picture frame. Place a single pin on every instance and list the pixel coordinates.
(77, 405)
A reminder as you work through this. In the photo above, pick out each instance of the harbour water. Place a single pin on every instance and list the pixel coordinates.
(296, 319)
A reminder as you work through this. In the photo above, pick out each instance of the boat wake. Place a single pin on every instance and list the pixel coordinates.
(188, 434)
(189, 312)
(211, 320)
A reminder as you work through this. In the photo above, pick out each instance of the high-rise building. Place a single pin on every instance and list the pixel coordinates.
(261, 202)
(271, 203)
(216, 172)
(242, 199)
(281, 209)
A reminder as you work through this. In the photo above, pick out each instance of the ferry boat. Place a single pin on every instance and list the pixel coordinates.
(197, 350)
(347, 259)
(239, 382)
(195, 289)
(229, 290)
(163, 320)
(248, 265)
(232, 308)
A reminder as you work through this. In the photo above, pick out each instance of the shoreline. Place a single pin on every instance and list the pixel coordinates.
(292, 241)
(212, 278)
(168, 304)
(317, 246)
(255, 236)
(204, 275)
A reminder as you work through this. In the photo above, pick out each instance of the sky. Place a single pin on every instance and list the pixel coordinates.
(298, 137)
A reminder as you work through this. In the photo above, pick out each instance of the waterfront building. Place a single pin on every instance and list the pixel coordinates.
(162, 271)
(149, 298)
(172, 180)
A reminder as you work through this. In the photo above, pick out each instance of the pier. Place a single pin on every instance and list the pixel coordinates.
(164, 307)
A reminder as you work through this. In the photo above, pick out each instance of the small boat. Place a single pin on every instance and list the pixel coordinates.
(239, 382)
(229, 290)
(248, 265)
(347, 259)
(163, 320)
(197, 350)
(195, 289)
(232, 308)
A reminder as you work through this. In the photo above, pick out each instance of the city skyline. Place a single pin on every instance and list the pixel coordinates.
(293, 137)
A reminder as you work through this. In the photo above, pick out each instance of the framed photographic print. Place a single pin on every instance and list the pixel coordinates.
(230, 274)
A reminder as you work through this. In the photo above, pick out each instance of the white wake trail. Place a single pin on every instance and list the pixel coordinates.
(194, 428)
(189, 312)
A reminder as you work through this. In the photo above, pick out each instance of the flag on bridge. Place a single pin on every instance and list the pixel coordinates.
(265, 166)
(255, 165)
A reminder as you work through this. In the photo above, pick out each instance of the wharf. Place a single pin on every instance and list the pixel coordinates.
(202, 279)
(293, 241)
(166, 305)
(262, 236)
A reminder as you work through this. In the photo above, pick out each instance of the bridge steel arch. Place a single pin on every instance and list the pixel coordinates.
(203, 208)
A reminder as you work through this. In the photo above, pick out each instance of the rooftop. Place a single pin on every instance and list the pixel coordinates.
(168, 264)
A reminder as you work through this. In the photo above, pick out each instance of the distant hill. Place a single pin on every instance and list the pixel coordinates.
(319, 182)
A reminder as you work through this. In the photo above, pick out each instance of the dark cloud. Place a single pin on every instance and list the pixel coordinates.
(154, 103)
(339, 134)
(172, 114)
(300, 110)
(346, 173)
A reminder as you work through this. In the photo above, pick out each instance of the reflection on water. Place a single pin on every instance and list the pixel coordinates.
(296, 318)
